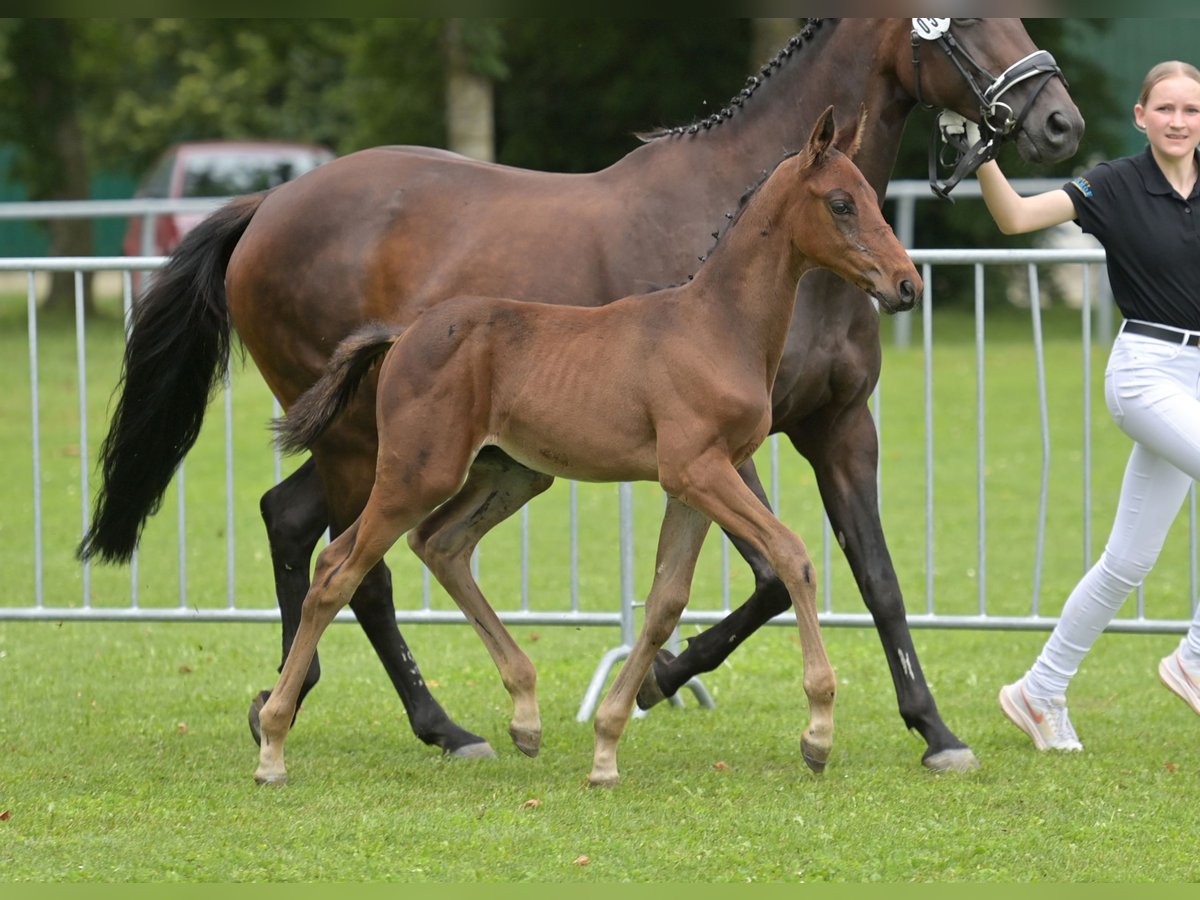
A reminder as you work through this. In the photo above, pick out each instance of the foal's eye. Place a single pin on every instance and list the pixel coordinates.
(841, 207)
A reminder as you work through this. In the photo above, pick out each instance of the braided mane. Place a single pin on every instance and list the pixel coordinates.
(752, 85)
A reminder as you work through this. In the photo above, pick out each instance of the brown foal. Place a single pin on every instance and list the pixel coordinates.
(673, 386)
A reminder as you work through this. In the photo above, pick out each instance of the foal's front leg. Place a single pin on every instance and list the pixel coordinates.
(679, 542)
(714, 487)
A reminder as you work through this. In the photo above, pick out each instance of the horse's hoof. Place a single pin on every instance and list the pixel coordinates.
(272, 778)
(256, 706)
(651, 693)
(815, 757)
(481, 750)
(603, 781)
(959, 759)
(527, 740)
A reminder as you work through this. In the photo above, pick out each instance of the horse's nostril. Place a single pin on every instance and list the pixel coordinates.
(1059, 128)
(908, 292)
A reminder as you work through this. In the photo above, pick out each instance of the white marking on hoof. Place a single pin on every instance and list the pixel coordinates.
(959, 760)
(482, 750)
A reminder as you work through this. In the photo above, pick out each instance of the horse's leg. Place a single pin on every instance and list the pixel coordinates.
(845, 460)
(712, 485)
(495, 489)
(340, 568)
(711, 647)
(405, 491)
(373, 607)
(296, 515)
(679, 542)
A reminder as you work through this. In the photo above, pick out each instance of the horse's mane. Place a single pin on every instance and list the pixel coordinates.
(752, 84)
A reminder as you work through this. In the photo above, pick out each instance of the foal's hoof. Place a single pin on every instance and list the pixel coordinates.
(276, 779)
(650, 693)
(603, 781)
(481, 750)
(256, 706)
(527, 740)
(959, 759)
(815, 757)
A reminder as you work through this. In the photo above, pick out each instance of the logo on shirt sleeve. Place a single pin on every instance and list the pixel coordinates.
(1083, 185)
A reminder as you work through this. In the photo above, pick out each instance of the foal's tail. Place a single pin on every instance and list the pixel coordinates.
(176, 354)
(316, 408)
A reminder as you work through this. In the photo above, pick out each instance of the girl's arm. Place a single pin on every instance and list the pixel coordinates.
(1015, 214)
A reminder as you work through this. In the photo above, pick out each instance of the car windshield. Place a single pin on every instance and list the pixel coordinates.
(225, 173)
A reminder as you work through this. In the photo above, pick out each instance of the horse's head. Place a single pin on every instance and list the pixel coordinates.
(989, 71)
(836, 222)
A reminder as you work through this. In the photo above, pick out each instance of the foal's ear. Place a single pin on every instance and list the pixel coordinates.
(822, 136)
(850, 140)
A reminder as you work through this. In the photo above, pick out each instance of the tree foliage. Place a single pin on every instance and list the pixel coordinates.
(570, 93)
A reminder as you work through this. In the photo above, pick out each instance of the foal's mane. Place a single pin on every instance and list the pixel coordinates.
(752, 84)
(731, 218)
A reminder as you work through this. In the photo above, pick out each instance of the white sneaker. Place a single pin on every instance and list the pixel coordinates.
(1180, 680)
(1045, 721)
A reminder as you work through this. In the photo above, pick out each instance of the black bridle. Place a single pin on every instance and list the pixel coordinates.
(997, 120)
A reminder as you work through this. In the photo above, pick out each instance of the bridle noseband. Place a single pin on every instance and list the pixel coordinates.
(997, 120)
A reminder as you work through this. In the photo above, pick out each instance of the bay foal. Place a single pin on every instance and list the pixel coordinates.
(673, 386)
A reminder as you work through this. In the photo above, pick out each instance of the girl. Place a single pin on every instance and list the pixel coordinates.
(1145, 210)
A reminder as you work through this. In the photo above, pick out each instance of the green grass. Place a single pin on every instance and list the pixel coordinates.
(125, 754)
(126, 757)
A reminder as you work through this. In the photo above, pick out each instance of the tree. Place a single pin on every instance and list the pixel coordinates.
(473, 61)
(579, 90)
(39, 107)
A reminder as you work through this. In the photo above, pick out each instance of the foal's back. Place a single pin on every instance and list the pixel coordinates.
(570, 391)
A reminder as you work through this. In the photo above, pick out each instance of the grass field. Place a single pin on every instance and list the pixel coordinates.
(125, 754)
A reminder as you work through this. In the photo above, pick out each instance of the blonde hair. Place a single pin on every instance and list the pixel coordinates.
(1168, 69)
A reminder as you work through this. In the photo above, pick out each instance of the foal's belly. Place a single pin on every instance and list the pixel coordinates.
(586, 456)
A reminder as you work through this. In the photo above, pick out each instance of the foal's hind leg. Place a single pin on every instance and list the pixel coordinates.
(679, 542)
(296, 515)
(845, 461)
(342, 566)
(712, 485)
(495, 488)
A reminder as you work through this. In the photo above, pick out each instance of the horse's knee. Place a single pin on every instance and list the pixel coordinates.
(294, 520)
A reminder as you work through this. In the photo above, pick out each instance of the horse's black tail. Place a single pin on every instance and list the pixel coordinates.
(317, 407)
(176, 354)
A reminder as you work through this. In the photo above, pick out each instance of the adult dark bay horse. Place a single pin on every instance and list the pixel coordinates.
(672, 386)
(385, 233)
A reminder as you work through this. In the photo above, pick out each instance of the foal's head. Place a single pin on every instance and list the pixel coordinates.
(835, 220)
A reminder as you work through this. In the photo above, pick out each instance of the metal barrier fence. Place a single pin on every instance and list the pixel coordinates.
(45, 601)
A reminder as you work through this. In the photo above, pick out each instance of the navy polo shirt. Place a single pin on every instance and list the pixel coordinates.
(1151, 238)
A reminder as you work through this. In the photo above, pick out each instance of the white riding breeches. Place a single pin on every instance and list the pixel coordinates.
(1152, 387)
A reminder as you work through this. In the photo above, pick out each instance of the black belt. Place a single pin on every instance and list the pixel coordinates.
(1163, 334)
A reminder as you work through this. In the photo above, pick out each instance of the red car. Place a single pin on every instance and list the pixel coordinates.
(214, 169)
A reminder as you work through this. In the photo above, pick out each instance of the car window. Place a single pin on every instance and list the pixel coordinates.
(157, 182)
(225, 173)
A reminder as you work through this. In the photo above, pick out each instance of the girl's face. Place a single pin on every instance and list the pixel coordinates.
(1171, 117)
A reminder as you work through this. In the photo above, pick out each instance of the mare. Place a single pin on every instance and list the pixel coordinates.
(385, 233)
(672, 386)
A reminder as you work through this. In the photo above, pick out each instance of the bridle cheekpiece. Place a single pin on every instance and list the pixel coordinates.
(998, 122)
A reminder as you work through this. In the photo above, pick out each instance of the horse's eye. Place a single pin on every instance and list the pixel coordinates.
(841, 207)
